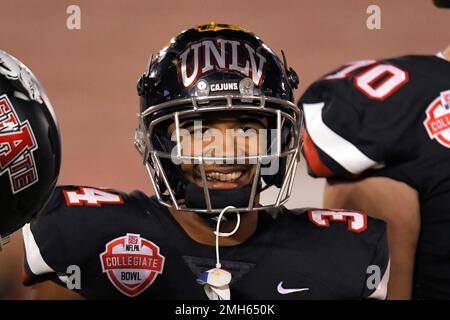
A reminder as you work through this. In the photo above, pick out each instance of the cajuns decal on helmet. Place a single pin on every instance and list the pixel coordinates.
(14, 71)
(17, 143)
(218, 54)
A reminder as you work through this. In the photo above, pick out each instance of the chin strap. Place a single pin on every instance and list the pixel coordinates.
(220, 198)
(216, 281)
(220, 234)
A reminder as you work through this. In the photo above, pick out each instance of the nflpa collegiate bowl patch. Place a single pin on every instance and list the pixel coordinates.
(132, 263)
(437, 122)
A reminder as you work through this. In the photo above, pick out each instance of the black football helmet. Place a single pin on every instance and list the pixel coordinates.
(217, 68)
(30, 151)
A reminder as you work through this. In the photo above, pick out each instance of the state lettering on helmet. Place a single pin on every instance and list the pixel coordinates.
(219, 54)
(132, 263)
(17, 144)
(437, 122)
(91, 197)
(356, 221)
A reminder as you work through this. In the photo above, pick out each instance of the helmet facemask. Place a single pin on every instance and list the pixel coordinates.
(273, 166)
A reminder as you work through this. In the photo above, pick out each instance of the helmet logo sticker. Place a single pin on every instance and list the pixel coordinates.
(217, 27)
(225, 55)
(437, 122)
(132, 263)
(227, 86)
(17, 143)
(12, 70)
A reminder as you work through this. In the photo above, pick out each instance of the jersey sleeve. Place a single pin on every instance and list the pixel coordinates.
(355, 118)
(67, 232)
(45, 252)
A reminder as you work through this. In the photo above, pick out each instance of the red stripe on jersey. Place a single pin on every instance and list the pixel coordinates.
(312, 157)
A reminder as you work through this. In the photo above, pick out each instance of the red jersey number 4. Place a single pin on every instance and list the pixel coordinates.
(91, 197)
(356, 221)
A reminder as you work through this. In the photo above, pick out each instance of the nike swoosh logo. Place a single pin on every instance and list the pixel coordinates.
(286, 291)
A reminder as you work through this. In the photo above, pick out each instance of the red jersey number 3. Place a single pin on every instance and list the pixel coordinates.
(356, 221)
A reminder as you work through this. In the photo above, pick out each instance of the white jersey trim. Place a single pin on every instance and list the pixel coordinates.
(341, 150)
(441, 55)
(33, 255)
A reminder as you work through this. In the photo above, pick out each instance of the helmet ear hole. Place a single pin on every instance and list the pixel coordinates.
(143, 85)
(293, 78)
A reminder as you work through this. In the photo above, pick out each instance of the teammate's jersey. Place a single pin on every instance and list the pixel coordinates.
(390, 118)
(129, 246)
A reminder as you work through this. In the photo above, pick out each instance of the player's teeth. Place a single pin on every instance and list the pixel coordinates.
(223, 176)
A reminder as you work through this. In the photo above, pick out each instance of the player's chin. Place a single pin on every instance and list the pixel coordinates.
(226, 181)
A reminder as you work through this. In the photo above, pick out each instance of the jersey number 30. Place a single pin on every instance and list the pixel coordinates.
(356, 222)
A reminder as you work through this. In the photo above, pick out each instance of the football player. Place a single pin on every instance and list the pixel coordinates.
(217, 129)
(30, 152)
(379, 130)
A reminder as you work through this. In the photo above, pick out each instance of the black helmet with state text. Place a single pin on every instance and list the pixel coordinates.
(30, 151)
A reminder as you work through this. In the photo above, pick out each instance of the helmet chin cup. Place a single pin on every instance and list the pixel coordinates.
(220, 198)
(239, 198)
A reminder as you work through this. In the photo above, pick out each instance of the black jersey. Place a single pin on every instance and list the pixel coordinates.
(129, 246)
(390, 118)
